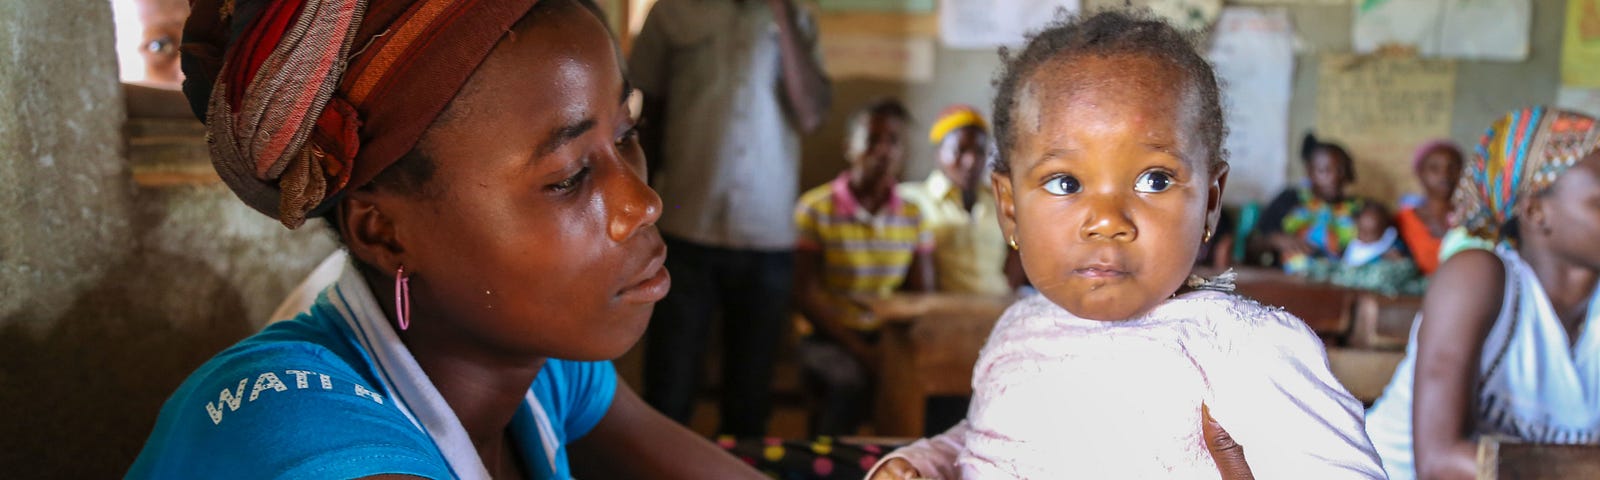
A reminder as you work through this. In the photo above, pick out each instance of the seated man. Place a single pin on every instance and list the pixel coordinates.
(858, 240)
(957, 205)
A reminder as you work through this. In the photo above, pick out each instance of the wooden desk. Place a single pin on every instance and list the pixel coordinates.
(1498, 460)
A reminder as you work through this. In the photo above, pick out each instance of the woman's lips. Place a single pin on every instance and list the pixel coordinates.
(653, 286)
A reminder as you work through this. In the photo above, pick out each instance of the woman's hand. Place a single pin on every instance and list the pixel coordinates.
(1228, 454)
(896, 469)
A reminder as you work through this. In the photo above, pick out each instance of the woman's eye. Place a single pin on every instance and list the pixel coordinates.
(571, 182)
(629, 138)
(1153, 182)
(1063, 185)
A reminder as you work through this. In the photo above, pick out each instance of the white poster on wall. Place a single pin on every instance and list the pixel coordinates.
(985, 24)
(1581, 100)
(1463, 29)
(1253, 52)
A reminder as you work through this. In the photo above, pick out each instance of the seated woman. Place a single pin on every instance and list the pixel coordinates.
(1315, 220)
(502, 243)
(1424, 219)
(1506, 342)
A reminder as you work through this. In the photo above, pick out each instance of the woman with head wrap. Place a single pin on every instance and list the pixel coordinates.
(477, 158)
(1424, 219)
(1504, 344)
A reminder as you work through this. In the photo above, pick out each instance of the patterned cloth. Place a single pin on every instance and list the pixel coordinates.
(821, 458)
(863, 253)
(305, 99)
(1520, 155)
(1328, 227)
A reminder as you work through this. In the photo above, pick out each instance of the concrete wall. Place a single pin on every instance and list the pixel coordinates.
(1484, 90)
(110, 292)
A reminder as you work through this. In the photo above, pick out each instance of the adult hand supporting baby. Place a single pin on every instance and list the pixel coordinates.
(1228, 454)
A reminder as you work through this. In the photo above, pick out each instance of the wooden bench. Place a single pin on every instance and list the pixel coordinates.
(1507, 460)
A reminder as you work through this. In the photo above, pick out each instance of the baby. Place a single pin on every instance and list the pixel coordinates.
(1109, 178)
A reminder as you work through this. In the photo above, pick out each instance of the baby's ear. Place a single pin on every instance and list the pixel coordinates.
(1219, 181)
(1004, 203)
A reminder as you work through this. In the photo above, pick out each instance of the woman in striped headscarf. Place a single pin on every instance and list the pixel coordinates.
(1507, 347)
(478, 160)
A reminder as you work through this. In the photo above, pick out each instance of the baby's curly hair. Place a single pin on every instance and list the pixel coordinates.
(1111, 32)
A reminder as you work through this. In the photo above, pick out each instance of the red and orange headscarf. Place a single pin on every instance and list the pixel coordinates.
(306, 99)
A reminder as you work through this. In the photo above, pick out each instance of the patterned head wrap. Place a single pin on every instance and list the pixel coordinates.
(306, 99)
(955, 117)
(1520, 155)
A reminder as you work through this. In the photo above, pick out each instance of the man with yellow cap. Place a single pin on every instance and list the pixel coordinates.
(958, 206)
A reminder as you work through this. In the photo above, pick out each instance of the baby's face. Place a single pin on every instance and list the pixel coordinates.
(1109, 193)
(1370, 225)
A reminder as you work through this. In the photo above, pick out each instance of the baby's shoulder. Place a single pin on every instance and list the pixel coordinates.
(1232, 317)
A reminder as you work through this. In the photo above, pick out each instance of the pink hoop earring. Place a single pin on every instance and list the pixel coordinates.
(402, 298)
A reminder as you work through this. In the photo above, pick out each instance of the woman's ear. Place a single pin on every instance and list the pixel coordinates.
(1530, 214)
(1004, 204)
(1219, 181)
(368, 232)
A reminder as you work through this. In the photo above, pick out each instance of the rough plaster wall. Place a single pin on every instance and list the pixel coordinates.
(110, 294)
(65, 187)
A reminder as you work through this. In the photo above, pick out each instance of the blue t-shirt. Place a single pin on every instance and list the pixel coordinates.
(302, 399)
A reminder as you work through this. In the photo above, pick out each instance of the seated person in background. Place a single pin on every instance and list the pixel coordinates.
(957, 205)
(1425, 218)
(857, 240)
(1375, 260)
(1506, 343)
(1110, 175)
(1317, 219)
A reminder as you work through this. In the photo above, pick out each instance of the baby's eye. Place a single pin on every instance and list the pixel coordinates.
(1153, 182)
(1063, 185)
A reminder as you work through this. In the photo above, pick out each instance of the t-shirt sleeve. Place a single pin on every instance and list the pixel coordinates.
(806, 215)
(287, 411)
(1279, 400)
(589, 388)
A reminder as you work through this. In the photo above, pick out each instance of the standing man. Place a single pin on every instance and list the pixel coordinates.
(729, 86)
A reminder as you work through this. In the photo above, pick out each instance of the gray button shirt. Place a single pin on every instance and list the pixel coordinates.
(731, 170)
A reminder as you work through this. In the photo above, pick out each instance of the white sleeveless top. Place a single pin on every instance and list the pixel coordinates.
(1531, 385)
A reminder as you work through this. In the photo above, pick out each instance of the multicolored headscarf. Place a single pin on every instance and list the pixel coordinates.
(955, 117)
(1520, 155)
(306, 99)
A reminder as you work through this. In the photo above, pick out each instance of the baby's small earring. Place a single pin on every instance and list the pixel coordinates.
(1013, 242)
(1207, 238)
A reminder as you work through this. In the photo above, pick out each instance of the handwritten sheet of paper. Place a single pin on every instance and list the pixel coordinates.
(1580, 47)
(985, 24)
(879, 57)
(1381, 108)
(1494, 30)
(1252, 51)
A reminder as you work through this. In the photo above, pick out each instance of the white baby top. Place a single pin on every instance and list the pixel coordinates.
(1058, 396)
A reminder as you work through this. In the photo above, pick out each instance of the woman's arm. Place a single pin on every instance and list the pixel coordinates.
(635, 441)
(1460, 307)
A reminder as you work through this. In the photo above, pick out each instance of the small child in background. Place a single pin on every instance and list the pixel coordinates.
(1375, 260)
(1110, 177)
(858, 240)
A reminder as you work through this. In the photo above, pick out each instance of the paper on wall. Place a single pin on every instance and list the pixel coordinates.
(1580, 45)
(1581, 100)
(1381, 108)
(983, 24)
(1466, 29)
(1252, 51)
